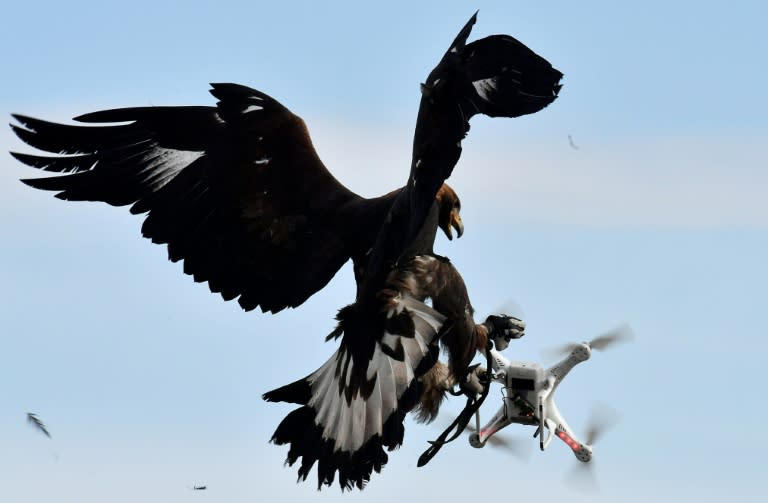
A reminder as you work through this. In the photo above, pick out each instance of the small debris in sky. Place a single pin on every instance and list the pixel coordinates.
(37, 423)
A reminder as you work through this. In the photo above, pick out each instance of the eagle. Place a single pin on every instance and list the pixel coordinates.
(238, 193)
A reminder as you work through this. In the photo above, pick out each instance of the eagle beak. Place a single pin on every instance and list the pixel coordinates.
(457, 223)
(454, 221)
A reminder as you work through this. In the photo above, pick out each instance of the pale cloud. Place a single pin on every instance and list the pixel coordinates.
(689, 182)
(701, 182)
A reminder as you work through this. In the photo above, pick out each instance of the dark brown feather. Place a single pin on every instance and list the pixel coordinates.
(241, 198)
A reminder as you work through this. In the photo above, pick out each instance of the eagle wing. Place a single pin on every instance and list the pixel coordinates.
(497, 76)
(236, 191)
(352, 408)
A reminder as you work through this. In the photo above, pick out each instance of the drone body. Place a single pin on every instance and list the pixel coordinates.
(530, 400)
(529, 394)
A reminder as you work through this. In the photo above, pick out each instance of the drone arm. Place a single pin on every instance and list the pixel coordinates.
(580, 353)
(497, 422)
(498, 362)
(559, 428)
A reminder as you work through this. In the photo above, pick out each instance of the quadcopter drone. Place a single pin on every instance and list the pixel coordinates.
(529, 395)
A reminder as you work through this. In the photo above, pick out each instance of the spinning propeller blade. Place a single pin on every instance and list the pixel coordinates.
(622, 333)
(602, 418)
(515, 446)
(510, 308)
(582, 477)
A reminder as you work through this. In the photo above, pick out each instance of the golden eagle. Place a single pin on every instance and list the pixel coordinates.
(239, 194)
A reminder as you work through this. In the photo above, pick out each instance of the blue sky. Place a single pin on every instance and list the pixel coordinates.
(150, 384)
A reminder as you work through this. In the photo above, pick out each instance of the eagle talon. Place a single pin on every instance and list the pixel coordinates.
(475, 381)
(503, 328)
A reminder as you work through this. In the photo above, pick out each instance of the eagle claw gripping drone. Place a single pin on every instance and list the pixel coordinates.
(529, 395)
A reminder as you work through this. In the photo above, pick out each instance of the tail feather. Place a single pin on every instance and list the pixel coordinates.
(350, 415)
(298, 392)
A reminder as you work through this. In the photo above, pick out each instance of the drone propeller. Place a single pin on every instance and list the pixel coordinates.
(622, 333)
(509, 308)
(602, 418)
(515, 446)
(582, 477)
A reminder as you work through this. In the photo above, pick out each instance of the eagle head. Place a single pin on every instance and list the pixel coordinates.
(450, 207)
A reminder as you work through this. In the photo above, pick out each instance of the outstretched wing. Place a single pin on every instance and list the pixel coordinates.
(236, 191)
(496, 76)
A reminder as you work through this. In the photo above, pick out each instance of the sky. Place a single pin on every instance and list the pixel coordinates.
(150, 384)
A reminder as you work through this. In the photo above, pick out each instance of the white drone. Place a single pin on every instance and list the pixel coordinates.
(529, 395)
